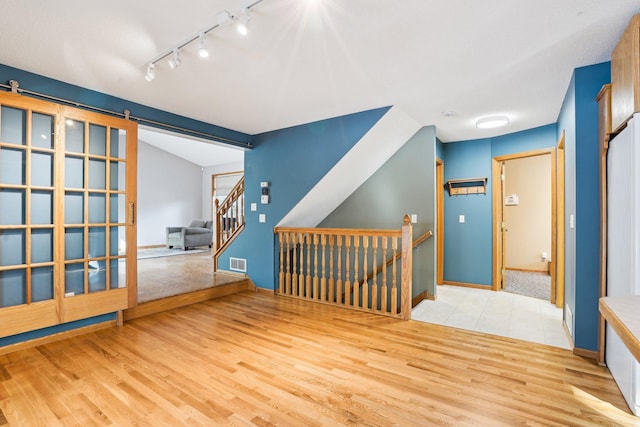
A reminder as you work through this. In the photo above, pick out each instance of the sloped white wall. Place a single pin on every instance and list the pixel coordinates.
(381, 142)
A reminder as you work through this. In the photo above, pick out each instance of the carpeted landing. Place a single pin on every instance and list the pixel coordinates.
(536, 285)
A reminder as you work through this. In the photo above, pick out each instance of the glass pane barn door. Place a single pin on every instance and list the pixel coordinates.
(67, 205)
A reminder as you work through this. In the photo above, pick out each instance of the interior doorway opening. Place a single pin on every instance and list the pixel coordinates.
(525, 229)
(174, 183)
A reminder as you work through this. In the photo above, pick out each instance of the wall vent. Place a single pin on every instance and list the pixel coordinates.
(238, 264)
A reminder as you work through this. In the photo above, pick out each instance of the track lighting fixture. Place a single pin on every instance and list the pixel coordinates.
(203, 52)
(243, 22)
(176, 59)
(151, 72)
(174, 56)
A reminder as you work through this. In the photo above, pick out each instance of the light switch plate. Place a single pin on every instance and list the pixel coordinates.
(262, 218)
(461, 219)
(414, 218)
(254, 207)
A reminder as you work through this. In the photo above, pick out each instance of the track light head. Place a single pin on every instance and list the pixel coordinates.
(223, 18)
(151, 72)
(243, 22)
(176, 59)
(203, 52)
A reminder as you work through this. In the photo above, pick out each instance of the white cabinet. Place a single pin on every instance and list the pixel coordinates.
(623, 249)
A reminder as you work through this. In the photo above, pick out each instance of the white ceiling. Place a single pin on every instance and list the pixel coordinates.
(199, 152)
(306, 60)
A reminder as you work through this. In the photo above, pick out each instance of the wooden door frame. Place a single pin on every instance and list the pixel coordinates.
(559, 249)
(497, 202)
(440, 221)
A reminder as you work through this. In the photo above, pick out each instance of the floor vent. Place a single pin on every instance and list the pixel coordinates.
(238, 264)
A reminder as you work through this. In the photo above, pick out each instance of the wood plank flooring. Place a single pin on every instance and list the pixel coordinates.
(253, 359)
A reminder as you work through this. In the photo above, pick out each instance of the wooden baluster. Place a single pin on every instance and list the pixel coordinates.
(356, 262)
(394, 280)
(308, 276)
(236, 212)
(323, 281)
(383, 289)
(281, 239)
(287, 284)
(374, 284)
(242, 204)
(339, 298)
(294, 265)
(301, 271)
(315, 267)
(347, 282)
(332, 296)
(406, 274)
(219, 222)
(364, 288)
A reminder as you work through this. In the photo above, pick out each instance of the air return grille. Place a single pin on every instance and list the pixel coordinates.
(238, 264)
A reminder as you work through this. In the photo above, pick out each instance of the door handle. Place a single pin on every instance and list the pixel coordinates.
(132, 214)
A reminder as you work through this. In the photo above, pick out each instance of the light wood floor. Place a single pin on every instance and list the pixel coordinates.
(257, 359)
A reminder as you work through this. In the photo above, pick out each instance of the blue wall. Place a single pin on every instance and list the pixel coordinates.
(468, 246)
(41, 84)
(579, 119)
(14, 339)
(293, 160)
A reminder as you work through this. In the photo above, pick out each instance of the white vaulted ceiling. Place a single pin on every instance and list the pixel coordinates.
(306, 60)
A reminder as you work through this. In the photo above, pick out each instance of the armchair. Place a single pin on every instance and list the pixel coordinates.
(198, 233)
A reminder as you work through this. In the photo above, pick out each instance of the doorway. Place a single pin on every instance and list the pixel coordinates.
(174, 183)
(439, 221)
(524, 206)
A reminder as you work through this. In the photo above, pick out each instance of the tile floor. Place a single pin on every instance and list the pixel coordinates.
(497, 313)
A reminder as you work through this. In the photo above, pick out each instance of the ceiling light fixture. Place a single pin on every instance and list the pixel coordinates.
(492, 122)
(176, 59)
(243, 22)
(151, 72)
(203, 52)
(223, 18)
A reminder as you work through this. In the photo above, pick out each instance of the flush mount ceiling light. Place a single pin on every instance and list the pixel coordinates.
(174, 57)
(492, 122)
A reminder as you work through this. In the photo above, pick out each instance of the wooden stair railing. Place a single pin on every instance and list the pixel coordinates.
(322, 264)
(377, 271)
(229, 219)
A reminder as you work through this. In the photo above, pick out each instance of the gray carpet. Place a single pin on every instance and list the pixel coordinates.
(536, 285)
(164, 251)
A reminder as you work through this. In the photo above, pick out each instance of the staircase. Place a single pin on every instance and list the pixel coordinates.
(229, 220)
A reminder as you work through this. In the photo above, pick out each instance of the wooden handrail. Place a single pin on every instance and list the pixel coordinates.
(342, 231)
(323, 264)
(416, 243)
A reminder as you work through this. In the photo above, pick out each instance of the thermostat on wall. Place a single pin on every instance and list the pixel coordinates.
(511, 200)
